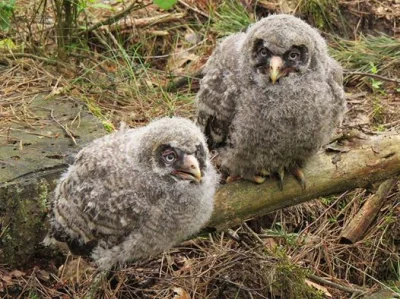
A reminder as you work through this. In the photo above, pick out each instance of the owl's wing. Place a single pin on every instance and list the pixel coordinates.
(219, 91)
(100, 197)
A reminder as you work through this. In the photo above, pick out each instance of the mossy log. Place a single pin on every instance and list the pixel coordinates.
(34, 152)
(358, 164)
(24, 191)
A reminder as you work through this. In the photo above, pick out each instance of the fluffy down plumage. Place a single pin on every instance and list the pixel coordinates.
(135, 193)
(270, 97)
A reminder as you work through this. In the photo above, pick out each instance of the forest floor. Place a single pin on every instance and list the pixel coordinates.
(147, 65)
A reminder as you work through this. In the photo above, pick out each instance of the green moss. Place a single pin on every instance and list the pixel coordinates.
(289, 279)
(43, 194)
(22, 214)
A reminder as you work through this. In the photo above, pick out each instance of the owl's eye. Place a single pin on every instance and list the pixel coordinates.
(264, 52)
(294, 55)
(169, 157)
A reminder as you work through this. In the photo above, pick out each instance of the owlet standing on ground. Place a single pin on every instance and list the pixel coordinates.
(270, 98)
(135, 193)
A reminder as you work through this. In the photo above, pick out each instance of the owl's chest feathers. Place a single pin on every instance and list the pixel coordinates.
(280, 123)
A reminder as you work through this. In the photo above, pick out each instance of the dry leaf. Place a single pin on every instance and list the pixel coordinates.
(179, 60)
(7, 279)
(43, 275)
(181, 294)
(318, 287)
(17, 273)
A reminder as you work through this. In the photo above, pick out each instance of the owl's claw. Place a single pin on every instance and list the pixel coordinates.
(258, 179)
(231, 179)
(281, 175)
(264, 172)
(299, 175)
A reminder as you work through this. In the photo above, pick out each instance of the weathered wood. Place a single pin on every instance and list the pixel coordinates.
(357, 227)
(34, 152)
(32, 160)
(364, 162)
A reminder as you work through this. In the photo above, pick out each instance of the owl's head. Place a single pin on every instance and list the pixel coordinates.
(175, 148)
(280, 46)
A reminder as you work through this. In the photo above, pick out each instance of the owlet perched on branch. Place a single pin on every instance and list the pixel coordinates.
(270, 98)
(135, 193)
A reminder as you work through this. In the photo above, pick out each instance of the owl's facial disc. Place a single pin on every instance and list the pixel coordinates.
(276, 63)
(182, 165)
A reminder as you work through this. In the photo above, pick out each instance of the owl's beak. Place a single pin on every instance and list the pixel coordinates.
(275, 66)
(190, 169)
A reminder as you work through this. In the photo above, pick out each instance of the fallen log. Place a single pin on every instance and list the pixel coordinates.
(358, 164)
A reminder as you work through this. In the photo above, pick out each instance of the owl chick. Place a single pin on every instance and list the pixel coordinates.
(135, 193)
(270, 98)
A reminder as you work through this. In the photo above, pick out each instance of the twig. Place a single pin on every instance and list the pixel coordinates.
(65, 128)
(255, 235)
(334, 285)
(179, 82)
(177, 53)
(111, 19)
(360, 223)
(194, 9)
(29, 132)
(371, 75)
(136, 23)
(27, 55)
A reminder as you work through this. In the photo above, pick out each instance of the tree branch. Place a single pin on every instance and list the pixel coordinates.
(134, 5)
(360, 223)
(369, 161)
(350, 73)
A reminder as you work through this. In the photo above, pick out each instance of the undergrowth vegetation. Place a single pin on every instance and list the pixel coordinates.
(147, 65)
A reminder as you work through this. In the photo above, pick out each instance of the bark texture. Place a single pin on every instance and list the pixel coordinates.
(358, 164)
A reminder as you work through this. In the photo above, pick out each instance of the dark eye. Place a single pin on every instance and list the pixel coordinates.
(294, 55)
(169, 157)
(264, 52)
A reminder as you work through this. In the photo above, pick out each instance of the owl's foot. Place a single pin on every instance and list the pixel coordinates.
(281, 175)
(258, 179)
(299, 175)
(231, 179)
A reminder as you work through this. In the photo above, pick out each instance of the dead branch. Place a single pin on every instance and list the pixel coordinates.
(368, 161)
(350, 73)
(367, 214)
(194, 9)
(164, 18)
(35, 57)
(134, 5)
(334, 285)
(65, 128)
(179, 82)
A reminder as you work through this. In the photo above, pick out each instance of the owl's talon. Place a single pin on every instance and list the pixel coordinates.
(231, 179)
(281, 175)
(258, 179)
(299, 175)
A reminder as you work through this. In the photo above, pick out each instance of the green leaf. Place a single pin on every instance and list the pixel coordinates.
(165, 4)
(376, 84)
(7, 44)
(374, 68)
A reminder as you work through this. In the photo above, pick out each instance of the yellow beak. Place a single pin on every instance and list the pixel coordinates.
(190, 169)
(275, 66)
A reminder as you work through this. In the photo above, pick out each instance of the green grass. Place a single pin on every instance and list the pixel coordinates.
(231, 17)
(381, 51)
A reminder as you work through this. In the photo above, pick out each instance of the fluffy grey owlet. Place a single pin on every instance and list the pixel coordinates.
(135, 193)
(270, 98)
